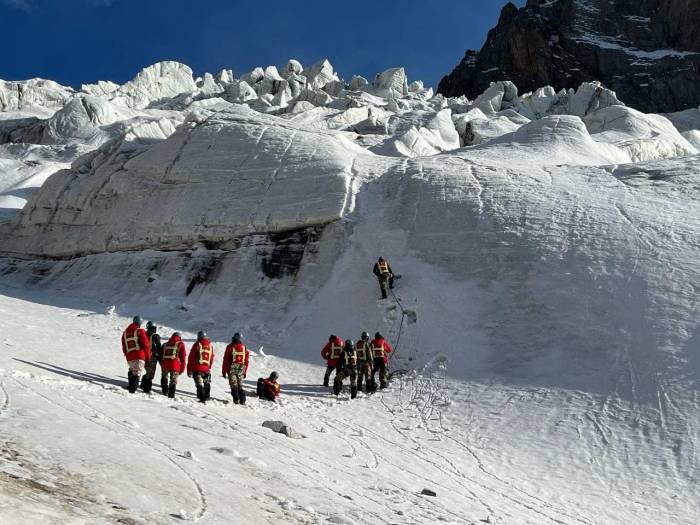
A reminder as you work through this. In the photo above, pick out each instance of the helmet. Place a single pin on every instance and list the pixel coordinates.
(364, 336)
(381, 259)
(236, 338)
(137, 320)
(201, 335)
(331, 338)
(150, 325)
(349, 343)
(176, 334)
(377, 335)
(274, 375)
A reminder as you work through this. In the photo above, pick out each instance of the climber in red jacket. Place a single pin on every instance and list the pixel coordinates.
(235, 367)
(172, 364)
(199, 365)
(137, 350)
(380, 349)
(331, 353)
(269, 388)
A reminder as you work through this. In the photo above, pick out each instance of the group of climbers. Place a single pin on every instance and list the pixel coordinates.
(144, 351)
(360, 362)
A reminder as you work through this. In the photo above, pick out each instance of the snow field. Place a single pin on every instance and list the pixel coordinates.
(548, 244)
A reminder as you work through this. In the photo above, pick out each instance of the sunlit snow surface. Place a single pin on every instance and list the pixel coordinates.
(547, 242)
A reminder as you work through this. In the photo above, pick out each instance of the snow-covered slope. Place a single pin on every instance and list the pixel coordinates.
(547, 245)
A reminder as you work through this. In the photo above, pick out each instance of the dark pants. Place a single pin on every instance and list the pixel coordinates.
(268, 397)
(168, 382)
(379, 366)
(364, 373)
(327, 375)
(340, 375)
(385, 280)
(147, 380)
(262, 393)
(202, 381)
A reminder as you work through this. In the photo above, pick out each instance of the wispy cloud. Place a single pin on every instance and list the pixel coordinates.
(28, 5)
(22, 5)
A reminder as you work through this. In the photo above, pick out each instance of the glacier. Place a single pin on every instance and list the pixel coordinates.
(548, 244)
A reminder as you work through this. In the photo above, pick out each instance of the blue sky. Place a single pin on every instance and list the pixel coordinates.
(79, 41)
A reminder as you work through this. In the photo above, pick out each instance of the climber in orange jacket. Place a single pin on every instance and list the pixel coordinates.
(331, 353)
(384, 274)
(269, 388)
(172, 364)
(136, 347)
(380, 349)
(235, 367)
(199, 365)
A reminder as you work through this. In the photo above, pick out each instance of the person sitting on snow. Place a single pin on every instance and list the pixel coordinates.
(269, 389)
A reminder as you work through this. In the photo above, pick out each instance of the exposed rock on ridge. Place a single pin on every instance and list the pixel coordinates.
(647, 51)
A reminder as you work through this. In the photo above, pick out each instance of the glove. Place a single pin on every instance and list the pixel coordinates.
(189, 374)
(224, 375)
(244, 376)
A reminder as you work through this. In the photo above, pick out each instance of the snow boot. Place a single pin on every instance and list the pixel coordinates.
(133, 382)
(259, 388)
(164, 387)
(353, 392)
(200, 394)
(207, 391)
(241, 396)
(171, 391)
(234, 395)
(337, 387)
(146, 384)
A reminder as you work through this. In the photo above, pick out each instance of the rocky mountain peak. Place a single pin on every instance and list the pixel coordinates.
(648, 51)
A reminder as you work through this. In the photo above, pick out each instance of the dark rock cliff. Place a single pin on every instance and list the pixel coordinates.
(648, 51)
